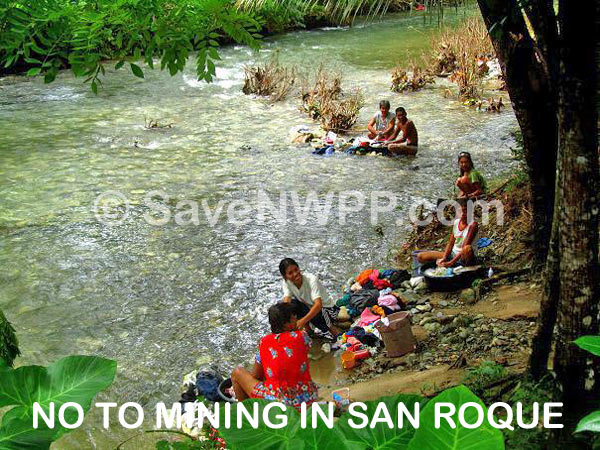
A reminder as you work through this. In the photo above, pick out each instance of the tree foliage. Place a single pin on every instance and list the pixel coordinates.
(48, 35)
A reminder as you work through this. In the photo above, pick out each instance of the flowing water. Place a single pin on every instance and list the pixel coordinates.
(162, 300)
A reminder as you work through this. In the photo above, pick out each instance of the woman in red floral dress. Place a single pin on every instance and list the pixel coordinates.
(281, 371)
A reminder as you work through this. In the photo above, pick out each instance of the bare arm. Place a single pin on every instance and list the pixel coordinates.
(371, 126)
(316, 309)
(442, 261)
(287, 299)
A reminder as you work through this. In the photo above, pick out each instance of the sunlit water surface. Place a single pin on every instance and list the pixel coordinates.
(162, 300)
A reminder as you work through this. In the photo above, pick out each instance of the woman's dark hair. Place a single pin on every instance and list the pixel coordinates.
(284, 264)
(468, 156)
(279, 315)
(400, 109)
(385, 104)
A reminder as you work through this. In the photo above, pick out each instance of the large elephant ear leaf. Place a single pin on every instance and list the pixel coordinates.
(262, 437)
(72, 379)
(427, 437)
(381, 436)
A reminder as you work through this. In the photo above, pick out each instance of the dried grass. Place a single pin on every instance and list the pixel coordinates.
(322, 100)
(269, 79)
(413, 80)
(464, 53)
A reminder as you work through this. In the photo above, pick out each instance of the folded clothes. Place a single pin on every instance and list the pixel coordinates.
(390, 301)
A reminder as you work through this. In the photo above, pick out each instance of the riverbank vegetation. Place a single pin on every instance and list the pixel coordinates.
(463, 54)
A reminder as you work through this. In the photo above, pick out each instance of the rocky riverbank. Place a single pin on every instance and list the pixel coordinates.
(491, 322)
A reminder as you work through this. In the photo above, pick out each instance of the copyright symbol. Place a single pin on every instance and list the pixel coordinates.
(111, 208)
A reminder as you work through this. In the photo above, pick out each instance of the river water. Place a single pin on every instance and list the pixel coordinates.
(162, 300)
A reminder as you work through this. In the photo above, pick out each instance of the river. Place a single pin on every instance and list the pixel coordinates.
(163, 300)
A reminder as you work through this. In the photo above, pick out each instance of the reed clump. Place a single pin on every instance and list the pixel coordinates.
(323, 100)
(412, 80)
(269, 79)
(463, 53)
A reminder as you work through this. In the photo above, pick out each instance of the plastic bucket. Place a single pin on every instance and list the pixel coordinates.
(397, 336)
(348, 360)
(225, 384)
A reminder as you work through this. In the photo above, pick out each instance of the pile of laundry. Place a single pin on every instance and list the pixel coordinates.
(360, 145)
(202, 386)
(369, 297)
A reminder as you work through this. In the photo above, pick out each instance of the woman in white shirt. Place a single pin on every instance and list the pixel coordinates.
(309, 297)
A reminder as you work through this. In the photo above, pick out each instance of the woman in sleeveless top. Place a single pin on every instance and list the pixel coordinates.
(460, 248)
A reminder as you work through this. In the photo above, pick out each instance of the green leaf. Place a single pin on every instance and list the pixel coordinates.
(50, 77)
(427, 437)
(589, 343)
(94, 87)
(381, 436)
(72, 379)
(34, 71)
(137, 71)
(320, 437)
(119, 65)
(263, 437)
(591, 422)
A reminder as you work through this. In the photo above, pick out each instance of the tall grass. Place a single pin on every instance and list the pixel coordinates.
(323, 100)
(464, 51)
(269, 79)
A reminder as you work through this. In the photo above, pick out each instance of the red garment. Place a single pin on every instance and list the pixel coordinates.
(381, 284)
(284, 358)
(364, 276)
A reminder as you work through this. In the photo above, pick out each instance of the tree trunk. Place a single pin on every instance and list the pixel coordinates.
(529, 71)
(577, 372)
(541, 343)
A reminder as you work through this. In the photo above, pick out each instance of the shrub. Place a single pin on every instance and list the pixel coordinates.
(464, 53)
(322, 100)
(340, 115)
(269, 80)
(414, 80)
(316, 93)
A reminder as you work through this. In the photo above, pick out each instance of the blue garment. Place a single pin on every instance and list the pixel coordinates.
(483, 242)
(327, 150)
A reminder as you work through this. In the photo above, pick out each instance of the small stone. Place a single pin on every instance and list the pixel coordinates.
(414, 311)
(432, 327)
(468, 296)
(463, 334)
(444, 303)
(424, 308)
(479, 317)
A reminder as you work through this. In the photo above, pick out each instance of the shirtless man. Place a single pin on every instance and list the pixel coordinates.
(381, 125)
(408, 143)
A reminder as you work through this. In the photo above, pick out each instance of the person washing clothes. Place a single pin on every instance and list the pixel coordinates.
(461, 245)
(309, 297)
(281, 370)
(381, 125)
(405, 139)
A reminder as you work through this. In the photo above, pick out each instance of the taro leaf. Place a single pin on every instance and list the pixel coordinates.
(320, 437)
(72, 379)
(263, 437)
(381, 436)
(589, 343)
(591, 422)
(460, 438)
